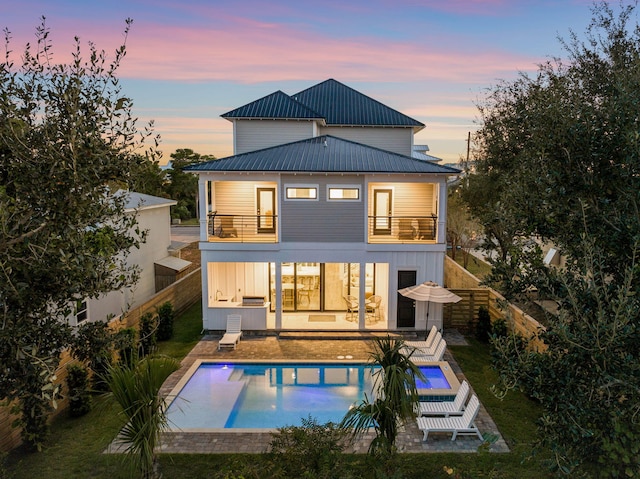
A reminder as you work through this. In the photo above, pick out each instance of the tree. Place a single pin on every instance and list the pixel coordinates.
(558, 152)
(136, 389)
(183, 187)
(147, 177)
(394, 397)
(558, 159)
(67, 140)
(462, 229)
(588, 379)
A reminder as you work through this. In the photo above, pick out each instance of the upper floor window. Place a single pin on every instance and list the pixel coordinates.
(343, 193)
(82, 314)
(301, 192)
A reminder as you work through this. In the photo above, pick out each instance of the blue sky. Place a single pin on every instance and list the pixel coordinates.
(188, 62)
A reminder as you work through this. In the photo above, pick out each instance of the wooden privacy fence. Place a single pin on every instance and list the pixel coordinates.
(181, 294)
(464, 314)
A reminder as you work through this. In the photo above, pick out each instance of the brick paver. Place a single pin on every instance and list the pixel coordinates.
(273, 348)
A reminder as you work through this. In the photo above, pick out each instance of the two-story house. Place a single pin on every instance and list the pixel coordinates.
(323, 212)
(152, 257)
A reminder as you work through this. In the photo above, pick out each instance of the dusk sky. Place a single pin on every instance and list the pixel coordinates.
(190, 61)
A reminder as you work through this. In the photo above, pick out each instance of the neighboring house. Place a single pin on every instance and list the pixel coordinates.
(323, 212)
(153, 216)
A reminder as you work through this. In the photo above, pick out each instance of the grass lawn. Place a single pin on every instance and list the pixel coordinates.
(475, 266)
(75, 448)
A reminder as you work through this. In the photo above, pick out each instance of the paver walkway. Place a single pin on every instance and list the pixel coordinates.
(271, 348)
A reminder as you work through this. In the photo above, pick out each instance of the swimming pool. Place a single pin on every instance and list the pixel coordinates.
(272, 395)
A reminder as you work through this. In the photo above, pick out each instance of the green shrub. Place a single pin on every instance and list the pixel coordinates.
(125, 343)
(4, 471)
(180, 211)
(148, 334)
(499, 328)
(33, 419)
(165, 321)
(483, 327)
(93, 346)
(78, 385)
(311, 450)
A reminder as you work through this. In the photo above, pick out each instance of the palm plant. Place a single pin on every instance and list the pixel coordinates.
(395, 396)
(135, 387)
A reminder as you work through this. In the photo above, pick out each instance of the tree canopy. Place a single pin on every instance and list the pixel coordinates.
(557, 153)
(558, 159)
(183, 187)
(68, 142)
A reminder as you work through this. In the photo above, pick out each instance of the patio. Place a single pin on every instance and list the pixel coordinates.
(309, 346)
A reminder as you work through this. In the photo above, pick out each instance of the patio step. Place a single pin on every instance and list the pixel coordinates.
(346, 335)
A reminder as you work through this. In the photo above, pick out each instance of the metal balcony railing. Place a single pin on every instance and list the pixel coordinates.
(263, 229)
(242, 228)
(402, 229)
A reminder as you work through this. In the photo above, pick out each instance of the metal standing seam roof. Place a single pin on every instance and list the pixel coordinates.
(277, 105)
(326, 154)
(342, 105)
(332, 101)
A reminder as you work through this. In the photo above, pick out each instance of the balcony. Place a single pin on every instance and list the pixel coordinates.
(228, 228)
(403, 229)
(242, 228)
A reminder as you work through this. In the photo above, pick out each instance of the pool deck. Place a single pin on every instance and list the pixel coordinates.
(310, 347)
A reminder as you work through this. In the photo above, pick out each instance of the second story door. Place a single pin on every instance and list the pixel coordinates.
(382, 212)
(266, 210)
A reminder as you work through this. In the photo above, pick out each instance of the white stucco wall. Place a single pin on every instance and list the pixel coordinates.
(154, 218)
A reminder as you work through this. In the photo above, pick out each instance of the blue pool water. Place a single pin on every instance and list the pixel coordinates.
(269, 396)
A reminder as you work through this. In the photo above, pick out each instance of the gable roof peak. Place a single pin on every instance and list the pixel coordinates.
(329, 101)
(276, 105)
(342, 105)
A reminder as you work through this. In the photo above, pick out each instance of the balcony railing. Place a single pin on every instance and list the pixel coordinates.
(403, 229)
(263, 229)
(242, 228)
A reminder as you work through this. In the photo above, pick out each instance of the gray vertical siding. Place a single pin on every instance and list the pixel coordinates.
(322, 220)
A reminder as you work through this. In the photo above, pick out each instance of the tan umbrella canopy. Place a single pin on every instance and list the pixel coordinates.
(431, 293)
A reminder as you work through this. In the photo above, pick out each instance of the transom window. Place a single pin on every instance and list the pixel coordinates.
(343, 193)
(301, 192)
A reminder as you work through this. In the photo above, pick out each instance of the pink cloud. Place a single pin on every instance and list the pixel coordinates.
(466, 7)
(265, 53)
(249, 51)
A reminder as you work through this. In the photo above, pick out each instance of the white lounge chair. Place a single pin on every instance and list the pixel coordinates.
(465, 424)
(424, 347)
(438, 354)
(446, 408)
(234, 332)
(431, 338)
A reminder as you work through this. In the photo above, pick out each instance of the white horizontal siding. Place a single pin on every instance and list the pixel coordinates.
(251, 135)
(408, 199)
(397, 140)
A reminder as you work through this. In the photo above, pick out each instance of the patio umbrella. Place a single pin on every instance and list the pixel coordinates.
(429, 292)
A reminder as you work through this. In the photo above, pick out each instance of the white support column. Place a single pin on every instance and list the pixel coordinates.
(362, 282)
(442, 212)
(202, 194)
(278, 306)
(204, 274)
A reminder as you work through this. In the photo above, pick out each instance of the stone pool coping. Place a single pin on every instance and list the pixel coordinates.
(269, 348)
(427, 394)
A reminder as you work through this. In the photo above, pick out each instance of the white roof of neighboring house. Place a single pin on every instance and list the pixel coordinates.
(419, 153)
(141, 201)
